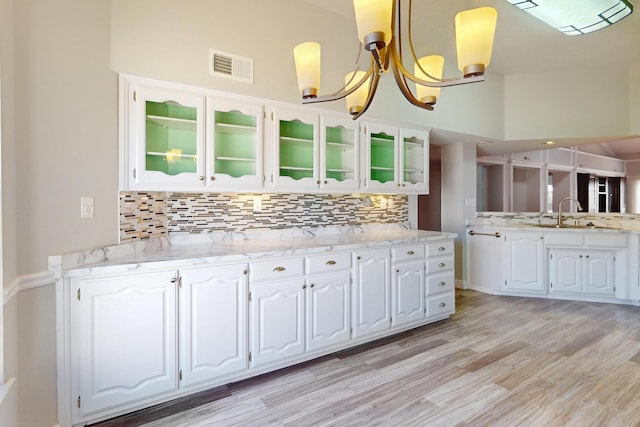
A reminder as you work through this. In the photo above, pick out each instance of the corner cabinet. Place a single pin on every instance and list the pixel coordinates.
(181, 138)
(395, 159)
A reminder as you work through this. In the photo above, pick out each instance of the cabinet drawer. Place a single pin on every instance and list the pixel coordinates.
(444, 247)
(441, 304)
(440, 283)
(328, 263)
(408, 252)
(440, 264)
(606, 240)
(276, 269)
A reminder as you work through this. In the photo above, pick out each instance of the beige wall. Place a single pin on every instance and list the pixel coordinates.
(142, 46)
(576, 103)
(634, 99)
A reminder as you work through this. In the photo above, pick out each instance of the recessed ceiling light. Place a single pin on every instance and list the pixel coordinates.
(550, 142)
(576, 17)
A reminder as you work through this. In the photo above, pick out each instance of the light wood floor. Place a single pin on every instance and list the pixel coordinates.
(500, 361)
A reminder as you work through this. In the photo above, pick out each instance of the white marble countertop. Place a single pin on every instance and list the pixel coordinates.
(198, 249)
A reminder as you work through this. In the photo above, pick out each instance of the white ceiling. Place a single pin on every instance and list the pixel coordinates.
(523, 44)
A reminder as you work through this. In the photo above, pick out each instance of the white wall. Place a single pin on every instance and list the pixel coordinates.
(570, 104)
(634, 99)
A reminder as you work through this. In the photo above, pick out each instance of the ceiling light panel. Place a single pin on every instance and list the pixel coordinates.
(576, 17)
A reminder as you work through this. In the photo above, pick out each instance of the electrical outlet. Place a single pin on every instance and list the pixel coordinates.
(384, 203)
(86, 207)
(257, 204)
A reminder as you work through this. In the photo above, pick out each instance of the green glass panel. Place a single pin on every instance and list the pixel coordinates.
(297, 152)
(171, 127)
(235, 118)
(382, 157)
(235, 143)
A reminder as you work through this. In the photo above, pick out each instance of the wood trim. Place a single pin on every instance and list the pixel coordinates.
(28, 281)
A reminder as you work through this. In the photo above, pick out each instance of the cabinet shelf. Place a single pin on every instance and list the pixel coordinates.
(295, 168)
(340, 145)
(412, 144)
(379, 168)
(169, 154)
(295, 140)
(340, 170)
(173, 122)
(414, 171)
(236, 159)
(232, 129)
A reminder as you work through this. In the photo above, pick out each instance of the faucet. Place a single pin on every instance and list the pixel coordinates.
(578, 205)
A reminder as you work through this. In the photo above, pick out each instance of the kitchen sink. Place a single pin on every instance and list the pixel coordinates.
(582, 227)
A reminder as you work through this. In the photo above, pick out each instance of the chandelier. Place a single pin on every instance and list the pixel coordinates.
(378, 33)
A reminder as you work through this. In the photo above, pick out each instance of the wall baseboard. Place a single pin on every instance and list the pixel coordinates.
(28, 281)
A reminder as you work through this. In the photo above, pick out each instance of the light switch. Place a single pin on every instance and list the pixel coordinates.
(86, 207)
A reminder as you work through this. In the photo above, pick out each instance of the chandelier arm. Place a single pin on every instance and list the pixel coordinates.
(372, 91)
(341, 93)
(402, 85)
(397, 64)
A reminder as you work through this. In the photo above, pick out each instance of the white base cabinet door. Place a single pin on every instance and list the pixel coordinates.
(328, 322)
(408, 294)
(213, 323)
(581, 272)
(525, 262)
(277, 321)
(127, 343)
(372, 292)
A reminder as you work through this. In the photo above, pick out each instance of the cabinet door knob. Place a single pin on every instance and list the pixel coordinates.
(330, 262)
(325, 181)
(442, 264)
(318, 182)
(279, 269)
(212, 178)
(304, 286)
(441, 248)
(443, 304)
(410, 252)
(442, 283)
(311, 285)
(202, 178)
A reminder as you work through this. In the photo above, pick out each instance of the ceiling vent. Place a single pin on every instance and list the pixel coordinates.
(230, 66)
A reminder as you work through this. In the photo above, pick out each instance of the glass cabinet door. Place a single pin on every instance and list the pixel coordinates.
(235, 145)
(167, 148)
(338, 154)
(414, 161)
(380, 157)
(295, 155)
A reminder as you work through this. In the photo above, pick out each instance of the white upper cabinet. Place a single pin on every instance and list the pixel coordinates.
(166, 138)
(180, 138)
(413, 164)
(294, 151)
(235, 145)
(396, 160)
(339, 142)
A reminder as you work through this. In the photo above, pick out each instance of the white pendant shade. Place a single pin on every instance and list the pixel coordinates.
(356, 100)
(373, 16)
(307, 59)
(475, 30)
(433, 65)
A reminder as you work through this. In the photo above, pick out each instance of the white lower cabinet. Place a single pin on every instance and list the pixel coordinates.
(372, 292)
(277, 321)
(408, 293)
(124, 330)
(581, 271)
(328, 320)
(135, 339)
(213, 323)
(525, 262)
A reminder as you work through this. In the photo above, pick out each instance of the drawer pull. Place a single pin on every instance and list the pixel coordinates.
(442, 283)
(410, 253)
(279, 269)
(443, 304)
(441, 248)
(442, 264)
(330, 262)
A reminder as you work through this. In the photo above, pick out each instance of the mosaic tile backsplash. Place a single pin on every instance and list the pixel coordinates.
(154, 214)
